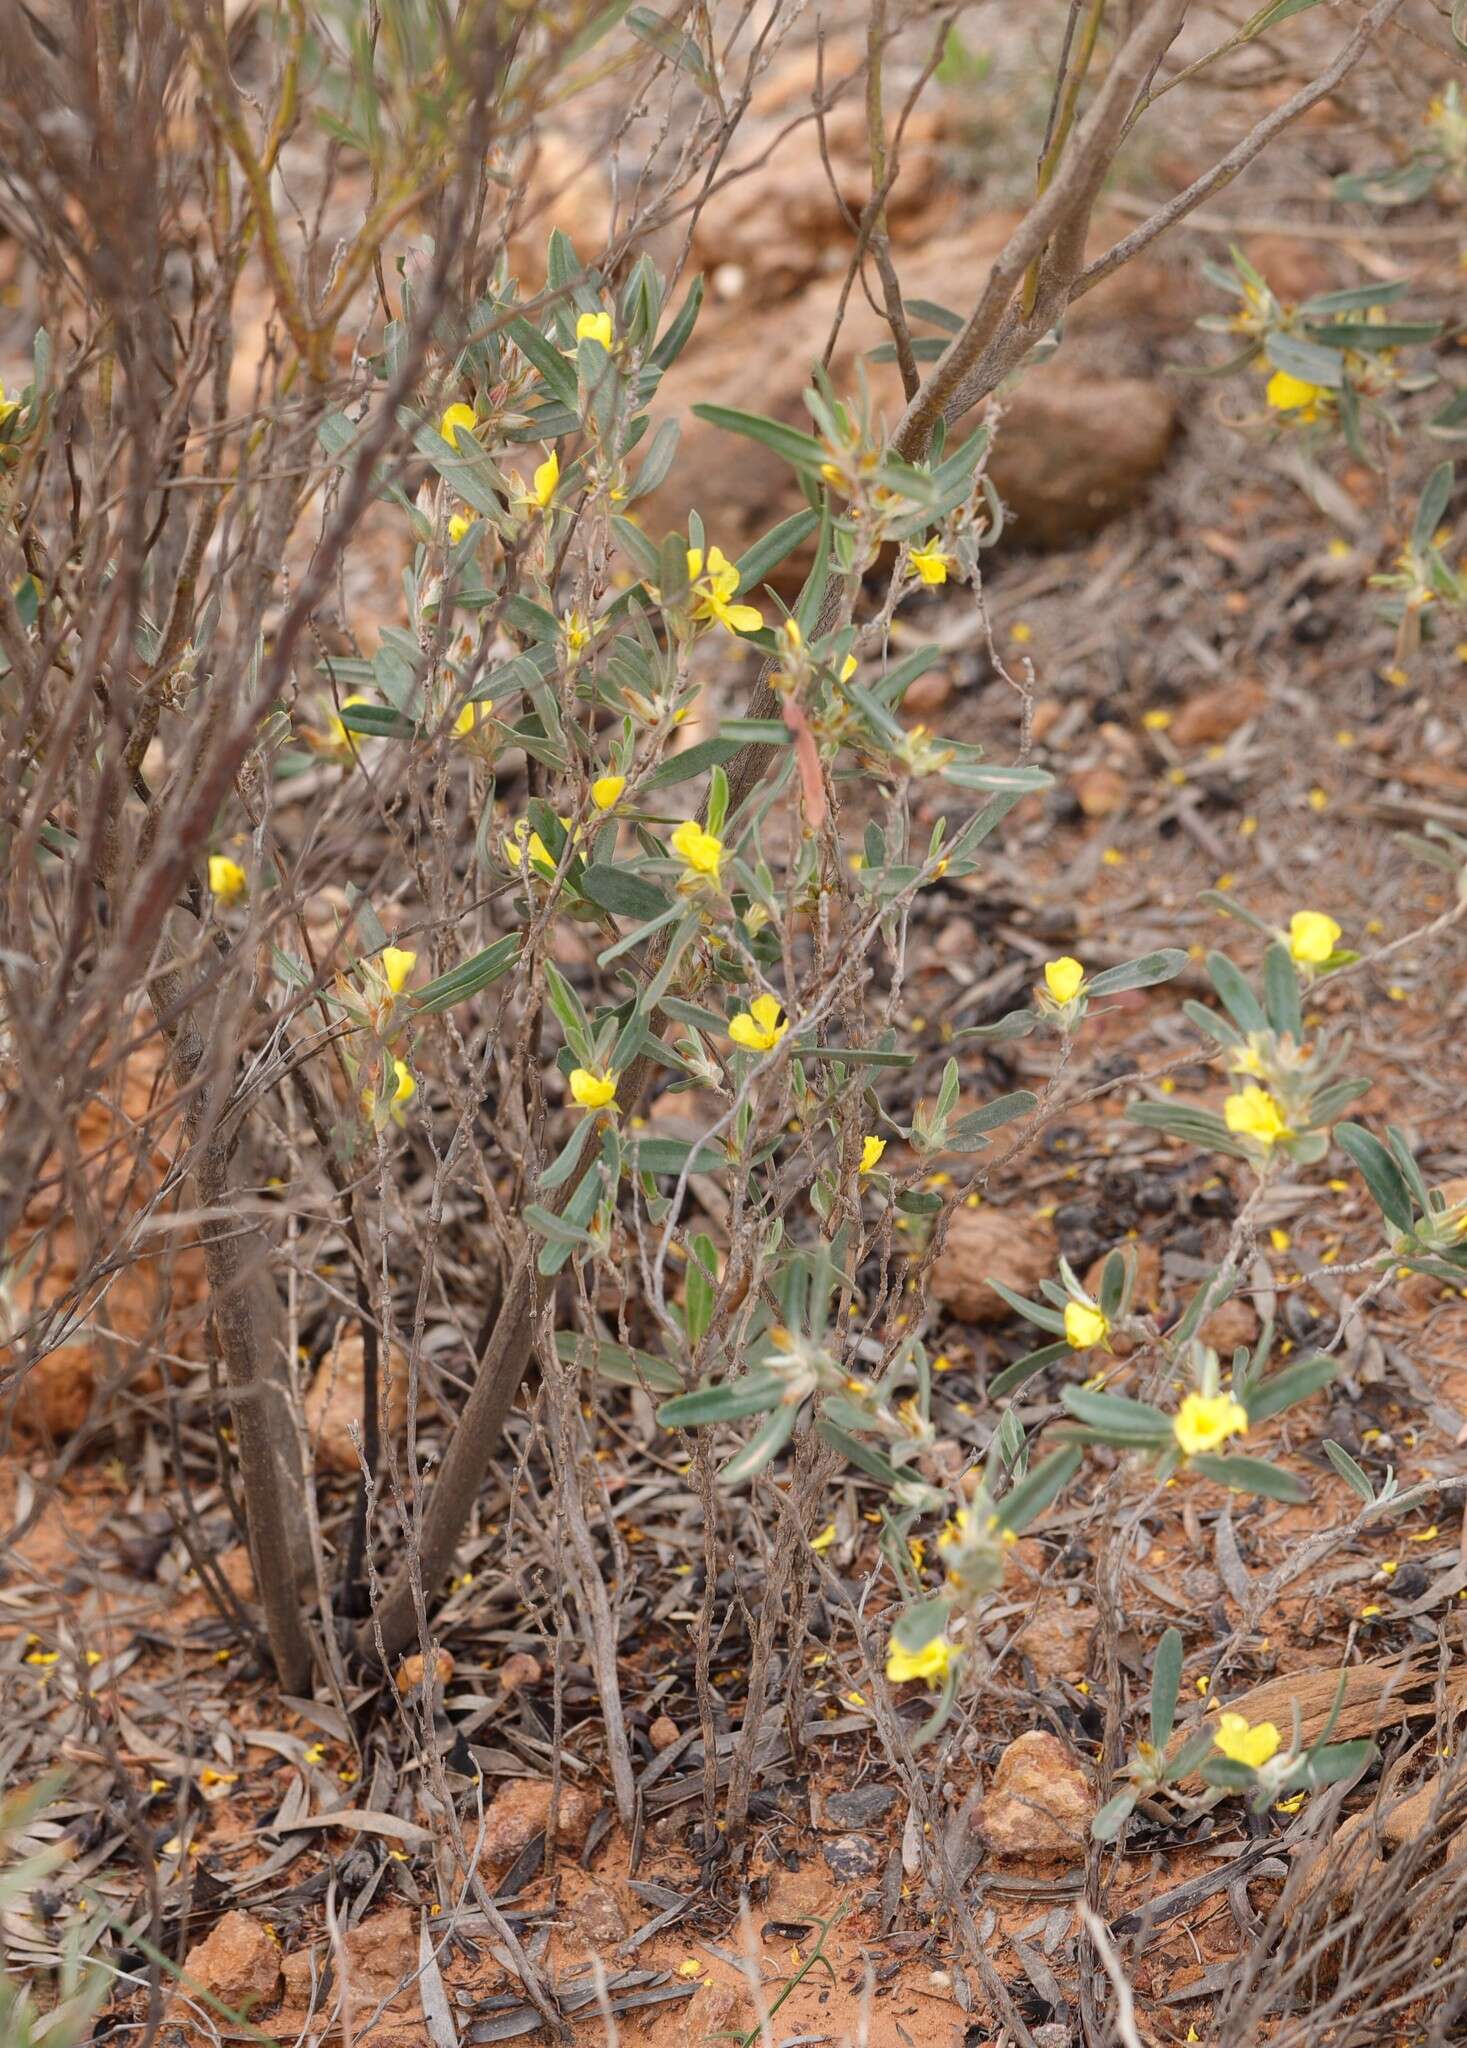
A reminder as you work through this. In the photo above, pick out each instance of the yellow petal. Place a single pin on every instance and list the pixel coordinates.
(458, 419)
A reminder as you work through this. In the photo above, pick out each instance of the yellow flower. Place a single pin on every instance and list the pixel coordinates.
(871, 1151)
(848, 668)
(1312, 937)
(403, 1090)
(577, 632)
(1254, 1114)
(606, 790)
(1063, 978)
(1293, 394)
(593, 1091)
(933, 1660)
(594, 327)
(397, 965)
(523, 841)
(700, 852)
(1085, 1325)
(761, 1026)
(227, 879)
(456, 417)
(931, 564)
(458, 526)
(1206, 1420)
(713, 592)
(472, 716)
(1244, 1745)
(340, 736)
(546, 477)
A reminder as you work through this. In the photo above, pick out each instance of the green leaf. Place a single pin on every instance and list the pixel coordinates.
(1166, 1683)
(694, 760)
(1016, 1024)
(1349, 1471)
(1014, 1376)
(1235, 995)
(1432, 506)
(1250, 1475)
(613, 1362)
(538, 349)
(1196, 1126)
(1144, 973)
(782, 540)
(1130, 1422)
(966, 1135)
(1306, 360)
(1282, 1390)
(1025, 1502)
(623, 892)
(1108, 1822)
(859, 1056)
(671, 1155)
(1035, 1312)
(857, 1453)
(1281, 993)
(916, 1626)
(766, 1443)
(1382, 1175)
(378, 721)
(729, 1402)
(677, 336)
(801, 449)
(478, 972)
(1328, 1766)
(570, 1155)
(670, 42)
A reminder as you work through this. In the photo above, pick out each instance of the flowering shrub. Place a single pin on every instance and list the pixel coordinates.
(536, 899)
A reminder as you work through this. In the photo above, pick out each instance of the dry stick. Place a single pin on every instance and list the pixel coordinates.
(1242, 154)
(247, 1314)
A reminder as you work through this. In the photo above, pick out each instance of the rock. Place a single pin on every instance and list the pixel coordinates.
(861, 1808)
(928, 693)
(850, 1858)
(520, 1810)
(380, 1965)
(1074, 450)
(334, 1403)
(518, 1671)
(1040, 1802)
(411, 1671)
(813, 179)
(1100, 792)
(54, 1397)
(991, 1244)
(599, 1918)
(238, 1962)
(1075, 447)
(1056, 1640)
(1213, 715)
(1234, 1323)
(663, 1733)
(1354, 1852)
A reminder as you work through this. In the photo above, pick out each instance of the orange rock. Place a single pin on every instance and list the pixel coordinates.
(663, 1733)
(1213, 715)
(411, 1670)
(520, 1810)
(1040, 1802)
(334, 1403)
(1100, 792)
(238, 1963)
(991, 1244)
